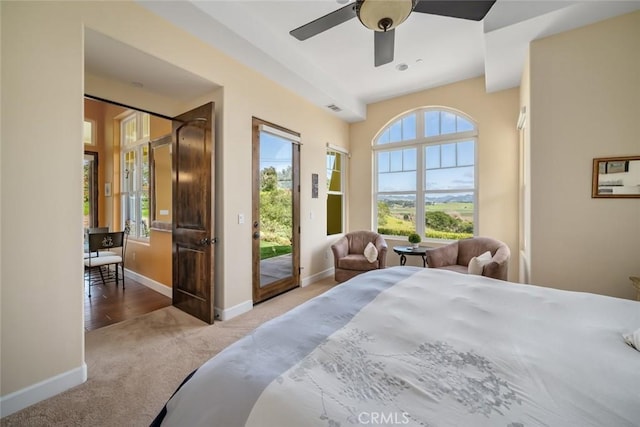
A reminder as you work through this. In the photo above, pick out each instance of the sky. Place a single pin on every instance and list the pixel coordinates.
(275, 151)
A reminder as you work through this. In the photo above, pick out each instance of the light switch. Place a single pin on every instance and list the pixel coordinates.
(164, 211)
(240, 218)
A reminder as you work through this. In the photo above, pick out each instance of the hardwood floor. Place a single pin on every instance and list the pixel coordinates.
(110, 304)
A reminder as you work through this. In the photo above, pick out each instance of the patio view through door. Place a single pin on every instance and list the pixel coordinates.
(276, 205)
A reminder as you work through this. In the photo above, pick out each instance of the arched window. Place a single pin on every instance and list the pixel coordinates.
(425, 175)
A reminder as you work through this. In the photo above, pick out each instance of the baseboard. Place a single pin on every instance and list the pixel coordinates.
(14, 402)
(234, 311)
(317, 277)
(149, 283)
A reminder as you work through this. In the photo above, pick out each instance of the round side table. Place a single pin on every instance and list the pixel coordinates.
(403, 251)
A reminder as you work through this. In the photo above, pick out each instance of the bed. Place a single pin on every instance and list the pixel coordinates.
(425, 347)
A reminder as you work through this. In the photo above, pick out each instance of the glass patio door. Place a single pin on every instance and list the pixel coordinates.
(275, 216)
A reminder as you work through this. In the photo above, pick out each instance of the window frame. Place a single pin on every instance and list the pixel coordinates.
(138, 146)
(344, 156)
(420, 142)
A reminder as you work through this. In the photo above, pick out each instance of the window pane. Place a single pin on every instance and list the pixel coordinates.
(130, 131)
(448, 155)
(463, 125)
(449, 216)
(396, 132)
(448, 122)
(129, 167)
(88, 133)
(145, 167)
(409, 127)
(461, 178)
(130, 218)
(334, 175)
(466, 153)
(144, 214)
(432, 123)
(334, 214)
(384, 138)
(432, 154)
(383, 161)
(396, 215)
(146, 120)
(409, 159)
(397, 181)
(395, 160)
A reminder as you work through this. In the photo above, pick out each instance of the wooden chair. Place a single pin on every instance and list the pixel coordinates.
(115, 243)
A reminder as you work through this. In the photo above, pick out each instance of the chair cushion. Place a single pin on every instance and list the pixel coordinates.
(102, 260)
(370, 252)
(477, 263)
(101, 253)
(357, 262)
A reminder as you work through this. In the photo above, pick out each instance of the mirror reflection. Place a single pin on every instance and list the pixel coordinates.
(616, 177)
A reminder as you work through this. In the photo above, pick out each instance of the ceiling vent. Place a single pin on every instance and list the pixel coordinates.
(334, 107)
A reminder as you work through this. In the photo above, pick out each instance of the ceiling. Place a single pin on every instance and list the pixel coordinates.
(336, 66)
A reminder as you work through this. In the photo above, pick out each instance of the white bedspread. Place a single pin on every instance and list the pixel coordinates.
(440, 348)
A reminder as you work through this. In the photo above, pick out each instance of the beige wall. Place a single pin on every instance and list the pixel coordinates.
(42, 150)
(585, 87)
(42, 72)
(496, 115)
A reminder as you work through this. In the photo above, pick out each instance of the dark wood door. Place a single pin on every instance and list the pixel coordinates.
(193, 222)
(276, 210)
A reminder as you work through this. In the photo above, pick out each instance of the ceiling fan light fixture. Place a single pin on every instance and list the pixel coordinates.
(383, 15)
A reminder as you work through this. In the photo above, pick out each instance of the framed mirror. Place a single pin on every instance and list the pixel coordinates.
(616, 177)
(161, 195)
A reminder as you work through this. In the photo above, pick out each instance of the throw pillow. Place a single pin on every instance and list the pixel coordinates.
(477, 263)
(370, 252)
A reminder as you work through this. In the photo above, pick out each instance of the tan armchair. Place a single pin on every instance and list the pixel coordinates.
(348, 254)
(456, 256)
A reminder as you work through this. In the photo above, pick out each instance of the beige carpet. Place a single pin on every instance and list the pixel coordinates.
(136, 365)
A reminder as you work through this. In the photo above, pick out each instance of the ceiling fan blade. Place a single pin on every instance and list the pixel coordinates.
(473, 9)
(325, 22)
(383, 44)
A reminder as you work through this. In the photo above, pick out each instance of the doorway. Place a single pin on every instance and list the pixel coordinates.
(276, 210)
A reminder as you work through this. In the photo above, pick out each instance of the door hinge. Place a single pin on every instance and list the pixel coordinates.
(298, 229)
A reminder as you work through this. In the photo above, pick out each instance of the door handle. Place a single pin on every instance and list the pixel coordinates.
(208, 241)
(256, 235)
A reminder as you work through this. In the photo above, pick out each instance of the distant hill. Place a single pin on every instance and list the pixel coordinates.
(444, 198)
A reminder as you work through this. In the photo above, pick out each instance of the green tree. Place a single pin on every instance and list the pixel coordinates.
(268, 179)
(442, 221)
(384, 211)
(276, 216)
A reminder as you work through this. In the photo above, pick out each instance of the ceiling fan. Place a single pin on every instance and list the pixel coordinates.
(383, 16)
